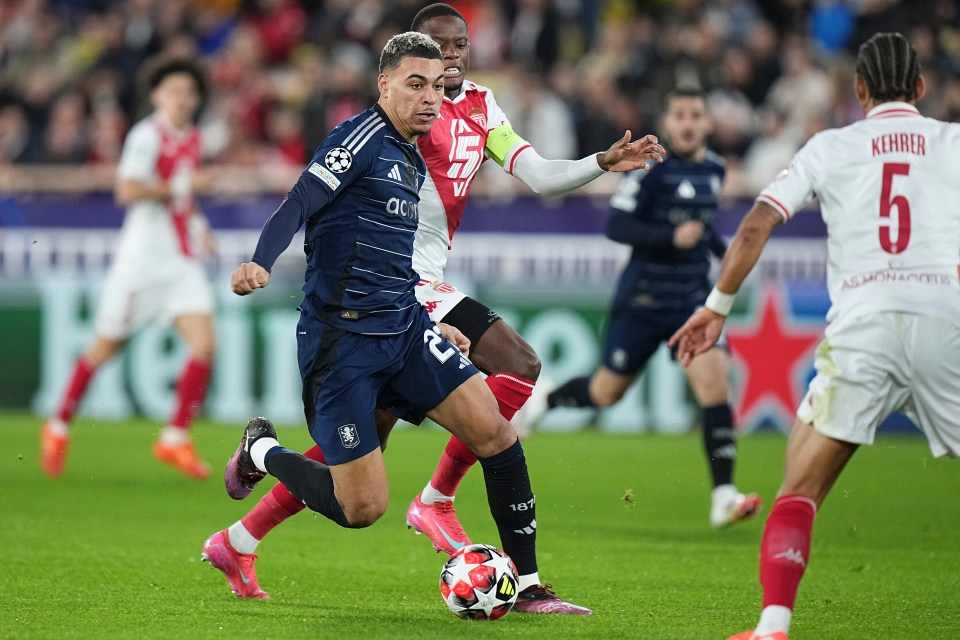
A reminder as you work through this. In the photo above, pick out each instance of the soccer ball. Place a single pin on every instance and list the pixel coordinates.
(479, 582)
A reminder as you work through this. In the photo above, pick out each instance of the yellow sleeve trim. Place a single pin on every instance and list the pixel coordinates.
(501, 141)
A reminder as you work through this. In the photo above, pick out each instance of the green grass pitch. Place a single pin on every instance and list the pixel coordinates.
(111, 549)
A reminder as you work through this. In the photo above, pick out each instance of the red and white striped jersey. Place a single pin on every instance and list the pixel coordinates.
(154, 152)
(888, 189)
(459, 141)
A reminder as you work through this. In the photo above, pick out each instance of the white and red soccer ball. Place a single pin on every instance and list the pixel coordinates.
(479, 582)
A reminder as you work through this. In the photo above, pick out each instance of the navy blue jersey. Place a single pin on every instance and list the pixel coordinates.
(358, 198)
(646, 209)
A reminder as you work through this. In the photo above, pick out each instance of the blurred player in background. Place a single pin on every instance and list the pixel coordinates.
(156, 274)
(888, 193)
(471, 128)
(363, 338)
(666, 215)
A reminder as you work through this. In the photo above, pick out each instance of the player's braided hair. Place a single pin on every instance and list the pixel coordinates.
(888, 63)
(405, 45)
(434, 11)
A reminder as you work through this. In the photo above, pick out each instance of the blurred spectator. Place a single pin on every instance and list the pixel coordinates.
(280, 25)
(284, 72)
(14, 133)
(534, 28)
(770, 153)
(108, 128)
(65, 138)
(285, 143)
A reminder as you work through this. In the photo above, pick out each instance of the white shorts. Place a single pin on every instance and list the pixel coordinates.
(129, 302)
(438, 298)
(870, 367)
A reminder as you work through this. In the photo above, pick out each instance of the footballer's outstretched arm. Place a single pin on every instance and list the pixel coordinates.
(305, 199)
(556, 177)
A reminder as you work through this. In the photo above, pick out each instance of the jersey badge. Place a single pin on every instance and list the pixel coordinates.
(442, 287)
(321, 172)
(338, 159)
(476, 114)
(686, 190)
(349, 437)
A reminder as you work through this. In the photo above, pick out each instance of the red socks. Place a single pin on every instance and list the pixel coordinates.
(454, 463)
(511, 392)
(82, 373)
(191, 390)
(785, 549)
(278, 505)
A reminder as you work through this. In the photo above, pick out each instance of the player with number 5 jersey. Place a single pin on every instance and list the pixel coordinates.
(882, 184)
(888, 191)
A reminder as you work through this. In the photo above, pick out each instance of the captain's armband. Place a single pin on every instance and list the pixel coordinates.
(501, 141)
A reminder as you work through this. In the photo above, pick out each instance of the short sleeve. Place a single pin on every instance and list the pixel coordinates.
(794, 187)
(138, 160)
(633, 192)
(495, 115)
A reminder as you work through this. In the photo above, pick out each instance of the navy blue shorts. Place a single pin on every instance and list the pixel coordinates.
(347, 375)
(633, 336)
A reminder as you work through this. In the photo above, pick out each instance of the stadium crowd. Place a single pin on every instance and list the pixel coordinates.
(571, 74)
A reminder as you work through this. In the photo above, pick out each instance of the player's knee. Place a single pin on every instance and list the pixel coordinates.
(498, 437)
(204, 350)
(527, 364)
(519, 360)
(364, 513)
(605, 396)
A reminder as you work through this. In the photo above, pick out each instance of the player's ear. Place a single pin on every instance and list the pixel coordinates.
(383, 84)
(860, 88)
(921, 88)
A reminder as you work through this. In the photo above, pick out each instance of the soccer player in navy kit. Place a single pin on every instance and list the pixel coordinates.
(363, 339)
(666, 214)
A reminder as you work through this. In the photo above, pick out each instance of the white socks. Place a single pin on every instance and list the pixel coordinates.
(429, 495)
(259, 450)
(528, 580)
(173, 436)
(241, 539)
(723, 494)
(774, 618)
(58, 427)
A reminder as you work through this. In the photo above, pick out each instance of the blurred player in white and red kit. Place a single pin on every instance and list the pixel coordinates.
(156, 274)
(470, 129)
(888, 192)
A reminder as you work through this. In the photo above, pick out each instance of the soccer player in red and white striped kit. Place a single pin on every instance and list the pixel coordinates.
(156, 273)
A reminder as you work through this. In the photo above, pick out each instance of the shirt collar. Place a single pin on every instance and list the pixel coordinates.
(894, 110)
(389, 123)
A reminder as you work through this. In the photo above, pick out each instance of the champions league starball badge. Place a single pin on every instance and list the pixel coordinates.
(338, 160)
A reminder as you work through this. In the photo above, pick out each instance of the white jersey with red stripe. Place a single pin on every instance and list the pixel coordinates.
(888, 192)
(471, 128)
(153, 231)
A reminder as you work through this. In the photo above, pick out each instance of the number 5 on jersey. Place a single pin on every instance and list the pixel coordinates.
(902, 205)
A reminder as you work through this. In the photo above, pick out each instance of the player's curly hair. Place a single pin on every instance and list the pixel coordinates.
(888, 63)
(158, 69)
(434, 11)
(408, 44)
